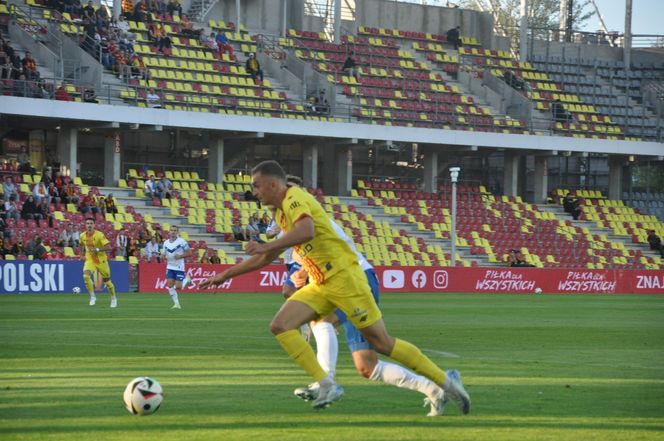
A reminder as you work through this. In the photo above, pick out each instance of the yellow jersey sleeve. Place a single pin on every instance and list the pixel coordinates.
(325, 254)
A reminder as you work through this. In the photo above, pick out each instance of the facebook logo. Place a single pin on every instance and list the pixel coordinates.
(419, 279)
(393, 279)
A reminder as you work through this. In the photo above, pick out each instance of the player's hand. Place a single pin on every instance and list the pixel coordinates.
(217, 279)
(254, 248)
(178, 255)
(299, 278)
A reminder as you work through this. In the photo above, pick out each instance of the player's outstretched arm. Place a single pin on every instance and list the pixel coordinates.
(246, 266)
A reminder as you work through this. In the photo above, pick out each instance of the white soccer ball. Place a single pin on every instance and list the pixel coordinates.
(143, 396)
(538, 290)
(76, 290)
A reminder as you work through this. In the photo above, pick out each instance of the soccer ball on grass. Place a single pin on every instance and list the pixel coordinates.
(76, 290)
(538, 290)
(143, 396)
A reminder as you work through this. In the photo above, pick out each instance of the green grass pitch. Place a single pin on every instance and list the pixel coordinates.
(553, 367)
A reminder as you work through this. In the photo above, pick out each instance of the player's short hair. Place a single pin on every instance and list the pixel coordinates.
(295, 180)
(90, 219)
(272, 169)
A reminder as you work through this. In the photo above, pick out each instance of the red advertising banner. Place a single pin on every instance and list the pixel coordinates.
(152, 278)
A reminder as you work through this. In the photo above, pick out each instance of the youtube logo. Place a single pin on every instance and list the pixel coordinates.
(393, 279)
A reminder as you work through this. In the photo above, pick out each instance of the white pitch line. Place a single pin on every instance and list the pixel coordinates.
(442, 353)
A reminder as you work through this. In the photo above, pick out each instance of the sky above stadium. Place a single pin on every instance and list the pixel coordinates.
(647, 16)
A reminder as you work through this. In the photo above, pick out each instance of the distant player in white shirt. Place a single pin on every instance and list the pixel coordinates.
(174, 250)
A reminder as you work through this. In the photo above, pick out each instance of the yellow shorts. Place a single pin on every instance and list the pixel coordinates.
(102, 267)
(347, 290)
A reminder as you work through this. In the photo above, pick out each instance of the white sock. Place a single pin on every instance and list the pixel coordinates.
(174, 295)
(327, 346)
(399, 376)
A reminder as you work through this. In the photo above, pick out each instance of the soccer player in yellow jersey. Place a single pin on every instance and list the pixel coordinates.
(337, 281)
(96, 246)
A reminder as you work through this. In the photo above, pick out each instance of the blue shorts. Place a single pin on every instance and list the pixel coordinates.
(355, 340)
(291, 268)
(175, 275)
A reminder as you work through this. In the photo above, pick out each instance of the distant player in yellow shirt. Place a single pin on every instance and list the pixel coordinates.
(337, 281)
(96, 246)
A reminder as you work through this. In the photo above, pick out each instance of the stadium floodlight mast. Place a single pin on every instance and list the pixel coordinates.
(454, 175)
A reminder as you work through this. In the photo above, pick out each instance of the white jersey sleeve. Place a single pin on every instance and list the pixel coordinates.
(288, 254)
(364, 263)
(171, 248)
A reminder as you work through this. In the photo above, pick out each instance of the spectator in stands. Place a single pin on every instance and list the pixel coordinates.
(253, 67)
(310, 105)
(30, 209)
(559, 113)
(53, 193)
(253, 230)
(8, 188)
(21, 87)
(211, 43)
(454, 37)
(11, 209)
(513, 81)
(42, 91)
(59, 181)
(68, 237)
(173, 6)
(45, 212)
(30, 67)
(238, 232)
(143, 236)
(70, 196)
(571, 205)
(249, 196)
(138, 69)
(655, 242)
(89, 12)
(7, 246)
(5, 64)
(152, 250)
(187, 29)
(122, 244)
(17, 66)
(138, 11)
(157, 234)
(18, 249)
(161, 7)
(350, 67)
(165, 45)
(150, 188)
(40, 191)
(224, 45)
(214, 258)
(165, 186)
(123, 27)
(152, 99)
(61, 93)
(38, 250)
(88, 204)
(322, 105)
(90, 96)
(109, 203)
(264, 222)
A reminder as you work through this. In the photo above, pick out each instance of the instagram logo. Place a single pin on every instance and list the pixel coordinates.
(440, 279)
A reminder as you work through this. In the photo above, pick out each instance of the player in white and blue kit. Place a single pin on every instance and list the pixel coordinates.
(174, 251)
(288, 288)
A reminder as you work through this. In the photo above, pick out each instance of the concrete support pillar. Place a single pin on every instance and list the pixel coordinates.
(541, 180)
(112, 149)
(337, 21)
(344, 177)
(67, 149)
(615, 177)
(216, 161)
(510, 174)
(310, 166)
(117, 9)
(430, 171)
(238, 15)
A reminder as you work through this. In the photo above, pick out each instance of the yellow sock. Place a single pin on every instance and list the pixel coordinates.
(410, 356)
(88, 284)
(300, 351)
(111, 288)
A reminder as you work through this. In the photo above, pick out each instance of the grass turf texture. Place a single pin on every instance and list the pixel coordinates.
(537, 367)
